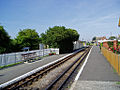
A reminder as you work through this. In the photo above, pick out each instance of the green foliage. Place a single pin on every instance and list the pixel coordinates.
(5, 41)
(60, 37)
(1, 67)
(112, 37)
(88, 43)
(94, 38)
(110, 44)
(118, 83)
(118, 43)
(27, 38)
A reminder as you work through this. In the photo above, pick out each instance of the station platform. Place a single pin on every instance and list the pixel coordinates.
(96, 74)
(10, 73)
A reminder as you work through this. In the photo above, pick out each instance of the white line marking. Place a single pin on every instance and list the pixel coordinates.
(79, 73)
(33, 71)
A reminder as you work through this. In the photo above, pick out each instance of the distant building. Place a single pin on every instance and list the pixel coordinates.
(118, 37)
(78, 44)
(99, 39)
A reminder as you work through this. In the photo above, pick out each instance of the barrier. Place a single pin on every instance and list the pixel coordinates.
(113, 59)
(11, 58)
(37, 69)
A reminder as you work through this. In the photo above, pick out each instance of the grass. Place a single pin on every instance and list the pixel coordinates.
(114, 70)
(1, 67)
(118, 83)
(46, 56)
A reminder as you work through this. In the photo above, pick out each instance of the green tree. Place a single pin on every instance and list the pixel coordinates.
(5, 41)
(27, 38)
(15, 47)
(110, 44)
(112, 37)
(60, 37)
(94, 38)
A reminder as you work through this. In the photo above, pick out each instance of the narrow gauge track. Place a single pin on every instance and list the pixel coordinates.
(34, 77)
(60, 81)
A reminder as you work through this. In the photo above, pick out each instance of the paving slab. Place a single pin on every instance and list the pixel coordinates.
(97, 74)
(98, 68)
(97, 85)
(18, 70)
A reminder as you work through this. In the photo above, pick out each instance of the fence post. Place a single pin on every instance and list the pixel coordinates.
(4, 60)
(43, 52)
(39, 52)
(7, 58)
(0, 60)
(58, 51)
(15, 57)
(118, 65)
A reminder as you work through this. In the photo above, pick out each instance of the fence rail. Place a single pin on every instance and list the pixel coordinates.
(12, 58)
(113, 59)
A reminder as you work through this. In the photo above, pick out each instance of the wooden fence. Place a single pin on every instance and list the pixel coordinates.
(113, 59)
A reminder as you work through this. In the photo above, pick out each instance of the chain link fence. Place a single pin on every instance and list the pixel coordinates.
(12, 58)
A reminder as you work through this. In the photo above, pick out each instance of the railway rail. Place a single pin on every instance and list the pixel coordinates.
(37, 75)
(60, 81)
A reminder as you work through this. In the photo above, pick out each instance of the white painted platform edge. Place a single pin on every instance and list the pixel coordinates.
(33, 71)
(79, 73)
(30, 73)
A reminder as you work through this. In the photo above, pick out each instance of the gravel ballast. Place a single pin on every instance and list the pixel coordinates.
(45, 80)
(10, 73)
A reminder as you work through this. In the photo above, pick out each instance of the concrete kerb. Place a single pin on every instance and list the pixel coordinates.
(33, 71)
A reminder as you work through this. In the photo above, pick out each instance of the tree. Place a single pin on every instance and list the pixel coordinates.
(5, 41)
(28, 38)
(112, 37)
(60, 37)
(94, 38)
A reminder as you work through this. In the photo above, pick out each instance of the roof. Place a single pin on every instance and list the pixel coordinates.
(106, 41)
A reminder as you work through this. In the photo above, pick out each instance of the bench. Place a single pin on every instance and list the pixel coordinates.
(30, 57)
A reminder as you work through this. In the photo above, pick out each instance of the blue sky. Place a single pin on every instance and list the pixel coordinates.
(89, 17)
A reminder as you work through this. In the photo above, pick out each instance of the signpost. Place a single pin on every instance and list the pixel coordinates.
(119, 22)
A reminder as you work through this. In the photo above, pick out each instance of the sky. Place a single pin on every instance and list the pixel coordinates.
(89, 17)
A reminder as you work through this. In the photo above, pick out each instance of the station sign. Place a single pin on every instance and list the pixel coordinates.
(119, 22)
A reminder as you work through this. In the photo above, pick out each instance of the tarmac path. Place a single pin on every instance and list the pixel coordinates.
(10, 73)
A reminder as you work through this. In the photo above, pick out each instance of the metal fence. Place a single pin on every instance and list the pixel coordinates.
(11, 58)
(113, 59)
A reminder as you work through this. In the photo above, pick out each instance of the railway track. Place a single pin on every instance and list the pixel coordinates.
(60, 81)
(37, 75)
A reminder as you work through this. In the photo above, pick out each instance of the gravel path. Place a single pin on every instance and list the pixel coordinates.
(43, 82)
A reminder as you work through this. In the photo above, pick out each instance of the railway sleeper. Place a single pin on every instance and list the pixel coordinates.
(17, 85)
